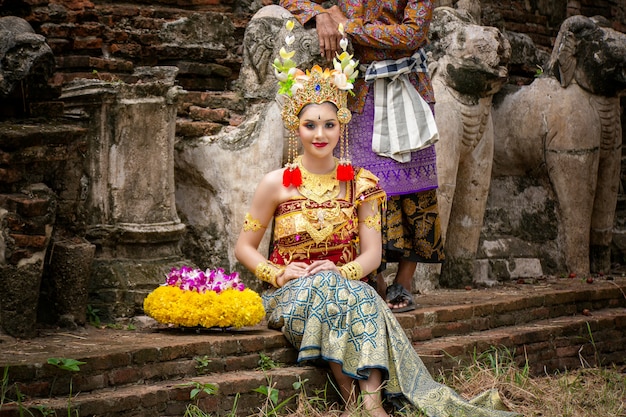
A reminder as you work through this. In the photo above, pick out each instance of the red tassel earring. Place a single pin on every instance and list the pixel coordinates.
(287, 175)
(345, 172)
(296, 176)
(292, 174)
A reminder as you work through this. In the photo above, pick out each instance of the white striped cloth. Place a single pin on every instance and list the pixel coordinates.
(403, 121)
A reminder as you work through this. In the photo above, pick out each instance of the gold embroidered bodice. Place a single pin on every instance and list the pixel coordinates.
(307, 230)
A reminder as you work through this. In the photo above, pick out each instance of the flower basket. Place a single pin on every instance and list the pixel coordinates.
(211, 298)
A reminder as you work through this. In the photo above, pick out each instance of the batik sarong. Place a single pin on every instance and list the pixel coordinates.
(326, 316)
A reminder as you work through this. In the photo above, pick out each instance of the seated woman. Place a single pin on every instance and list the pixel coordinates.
(327, 238)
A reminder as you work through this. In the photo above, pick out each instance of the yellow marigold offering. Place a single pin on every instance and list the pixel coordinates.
(211, 298)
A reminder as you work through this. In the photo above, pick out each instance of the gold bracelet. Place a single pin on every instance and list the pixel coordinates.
(351, 270)
(268, 271)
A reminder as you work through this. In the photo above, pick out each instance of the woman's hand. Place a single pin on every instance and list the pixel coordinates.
(318, 266)
(297, 270)
(294, 270)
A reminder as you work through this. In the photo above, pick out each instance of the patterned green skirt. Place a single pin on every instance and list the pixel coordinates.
(328, 317)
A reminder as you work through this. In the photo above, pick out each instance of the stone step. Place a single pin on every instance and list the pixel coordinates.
(554, 324)
(235, 390)
(566, 342)
(560, 343)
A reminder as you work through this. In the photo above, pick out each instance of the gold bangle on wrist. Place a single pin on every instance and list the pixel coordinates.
(351, 270)
(268, 271)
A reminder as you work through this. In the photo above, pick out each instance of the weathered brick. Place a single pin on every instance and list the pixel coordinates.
(31, 207)
(197, 129)
(251, 344)
(147, 355)
(422, 333)
(454, 313)
(109, 360)
(86, 383)
(10, 175)
(123, 376)
(35, 389)
(233, 363)
(29, 241)
(209, 115)
(88, 42)
(165, 370)
(540, 313)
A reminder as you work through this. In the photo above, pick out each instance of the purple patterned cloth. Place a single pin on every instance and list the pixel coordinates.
(420, 174)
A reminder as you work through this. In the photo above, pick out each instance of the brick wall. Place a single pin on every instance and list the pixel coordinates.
(541, 19)
(108, 39)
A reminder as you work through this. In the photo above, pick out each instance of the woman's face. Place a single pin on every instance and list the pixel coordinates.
(319, 129)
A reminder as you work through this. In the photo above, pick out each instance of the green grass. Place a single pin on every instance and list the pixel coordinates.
(584, 392)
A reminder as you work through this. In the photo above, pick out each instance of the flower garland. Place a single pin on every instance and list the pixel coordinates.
(344, 72)
(192, 297)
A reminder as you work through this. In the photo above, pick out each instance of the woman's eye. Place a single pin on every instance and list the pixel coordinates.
(330, 125)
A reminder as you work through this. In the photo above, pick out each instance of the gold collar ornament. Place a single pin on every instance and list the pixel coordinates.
(318, 187)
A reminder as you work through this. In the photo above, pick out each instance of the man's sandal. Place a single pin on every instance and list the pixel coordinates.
(397, 294)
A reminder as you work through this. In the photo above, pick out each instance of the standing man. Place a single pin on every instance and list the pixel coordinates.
(393, 130)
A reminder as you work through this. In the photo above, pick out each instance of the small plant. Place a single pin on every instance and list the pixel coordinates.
(202, 363)
(45, 411)
(193, 410)
(66, 364)
(71, 365)
(272, 406)
(92, 316)
(267, 363)
(119, 326)
(596, 355)
(4, 387)
(208, 389)
(538, 71)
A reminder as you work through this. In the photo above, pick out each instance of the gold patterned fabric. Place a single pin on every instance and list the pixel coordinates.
(412, 230)
(326, 316)
(306, 230)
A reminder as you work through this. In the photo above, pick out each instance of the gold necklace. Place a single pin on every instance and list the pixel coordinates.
(318, 187)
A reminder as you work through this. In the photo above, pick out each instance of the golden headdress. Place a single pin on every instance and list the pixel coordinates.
(315, 86)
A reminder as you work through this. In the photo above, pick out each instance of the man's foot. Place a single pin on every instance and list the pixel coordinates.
(399, 299)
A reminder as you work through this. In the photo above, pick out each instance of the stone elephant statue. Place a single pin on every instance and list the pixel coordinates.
(265, 35)
(468, 65)
(565, 127)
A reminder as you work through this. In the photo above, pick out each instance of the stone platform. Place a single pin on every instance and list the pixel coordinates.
(552, 323)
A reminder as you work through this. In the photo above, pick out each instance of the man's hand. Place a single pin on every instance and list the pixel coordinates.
(327, 25)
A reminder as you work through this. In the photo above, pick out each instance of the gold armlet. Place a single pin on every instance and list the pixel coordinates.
(268, 272)
(251, 224)
(351, 270)
(373, 222)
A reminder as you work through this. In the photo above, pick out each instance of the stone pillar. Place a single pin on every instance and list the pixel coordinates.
(131, 212)
(69, 267)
